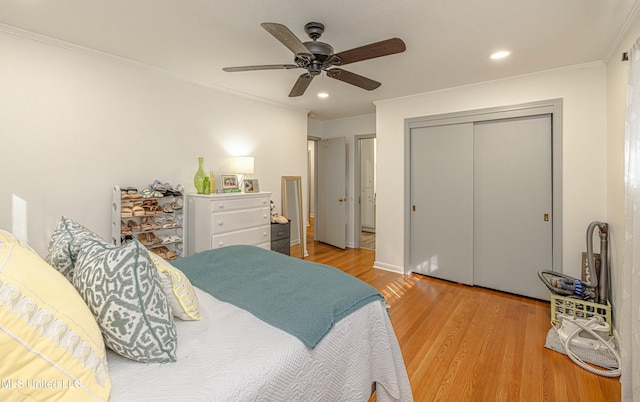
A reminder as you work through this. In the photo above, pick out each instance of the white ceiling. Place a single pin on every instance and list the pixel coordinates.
(448, 41)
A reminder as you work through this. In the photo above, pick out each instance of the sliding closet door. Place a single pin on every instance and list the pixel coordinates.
(442, 202)
(512, 204)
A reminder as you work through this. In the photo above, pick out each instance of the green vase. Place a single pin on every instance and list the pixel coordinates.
(198, 179)
(206, 187)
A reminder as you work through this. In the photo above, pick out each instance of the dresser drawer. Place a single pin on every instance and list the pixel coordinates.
(223, 205)
(238, 220)
(253, 237)
(279, 231)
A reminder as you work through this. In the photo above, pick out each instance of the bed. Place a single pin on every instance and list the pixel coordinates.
(232, 350)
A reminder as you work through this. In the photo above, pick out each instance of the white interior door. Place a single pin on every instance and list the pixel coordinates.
(442, 202)
(512, 204)
(367, 210)
(367, 184)
(331, 221)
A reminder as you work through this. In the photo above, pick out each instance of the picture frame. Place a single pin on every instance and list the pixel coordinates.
(229, 182)
(251, 186)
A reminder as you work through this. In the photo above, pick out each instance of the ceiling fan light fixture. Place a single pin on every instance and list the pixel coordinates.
(323, 95)
(316, 57)
(500, 55)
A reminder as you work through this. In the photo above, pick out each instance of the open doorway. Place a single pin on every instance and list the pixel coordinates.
(311, 188)
(364, 218)
(365, 174)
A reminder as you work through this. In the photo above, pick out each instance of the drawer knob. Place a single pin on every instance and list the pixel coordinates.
(220, 223)
(220, 244)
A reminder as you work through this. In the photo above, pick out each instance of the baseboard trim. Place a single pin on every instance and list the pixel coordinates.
(388, 267)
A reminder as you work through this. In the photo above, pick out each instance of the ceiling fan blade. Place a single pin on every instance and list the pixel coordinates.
(301, 85)
(372, 50)
(261, 67)
(353, 79)
(287, 38)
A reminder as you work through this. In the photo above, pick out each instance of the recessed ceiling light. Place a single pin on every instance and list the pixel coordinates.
(499, 55)
(323, 95)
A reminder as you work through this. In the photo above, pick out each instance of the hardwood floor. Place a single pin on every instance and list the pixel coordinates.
(463, 343)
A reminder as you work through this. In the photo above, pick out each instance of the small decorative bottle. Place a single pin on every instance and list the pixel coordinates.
(212, 182)
(198, 179)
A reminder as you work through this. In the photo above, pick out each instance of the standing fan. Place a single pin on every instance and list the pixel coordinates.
(316, 57)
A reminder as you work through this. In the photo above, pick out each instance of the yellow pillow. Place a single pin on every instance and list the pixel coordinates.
(51, 346)
(181, 294)
(7, 237)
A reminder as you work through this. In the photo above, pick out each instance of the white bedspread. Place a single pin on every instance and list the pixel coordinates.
(233, 356)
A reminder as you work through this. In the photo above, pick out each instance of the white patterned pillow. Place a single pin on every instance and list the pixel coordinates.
(50, 345)
(66, 241)
(122, 288)
(178, 289)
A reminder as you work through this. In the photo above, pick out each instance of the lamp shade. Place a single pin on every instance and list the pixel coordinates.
(243, 165)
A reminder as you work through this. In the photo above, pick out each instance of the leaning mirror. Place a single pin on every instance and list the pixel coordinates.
(292, 210)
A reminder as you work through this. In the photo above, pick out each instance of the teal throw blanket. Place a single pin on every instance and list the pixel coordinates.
(303, 298)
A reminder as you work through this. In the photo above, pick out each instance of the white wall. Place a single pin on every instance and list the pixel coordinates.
(349, 128)
(314, 128)
(583, 89)
(617, 77)
(74, 123)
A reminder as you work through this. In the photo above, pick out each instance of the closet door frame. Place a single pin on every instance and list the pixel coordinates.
(551, 106)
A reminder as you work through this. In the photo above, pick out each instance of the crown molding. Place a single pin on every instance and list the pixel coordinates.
(624, 29)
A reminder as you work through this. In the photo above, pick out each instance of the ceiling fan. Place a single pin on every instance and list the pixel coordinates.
(316, 57)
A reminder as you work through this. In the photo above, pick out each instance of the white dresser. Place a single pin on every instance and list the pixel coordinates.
(220, 220)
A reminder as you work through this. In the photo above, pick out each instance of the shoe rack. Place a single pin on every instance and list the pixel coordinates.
(157, 222)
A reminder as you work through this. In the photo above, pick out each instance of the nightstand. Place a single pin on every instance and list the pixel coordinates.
(280, 238)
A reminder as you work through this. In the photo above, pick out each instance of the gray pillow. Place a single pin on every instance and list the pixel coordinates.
(123, 290)
(66, 241)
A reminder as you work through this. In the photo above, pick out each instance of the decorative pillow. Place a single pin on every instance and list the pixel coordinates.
(66, 241)
(7, 237)
(178, 289)
(122, 288)
(50, 344)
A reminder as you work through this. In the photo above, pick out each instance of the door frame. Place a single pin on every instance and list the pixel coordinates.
(550, 106)
(356, 189)
(314, 193)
